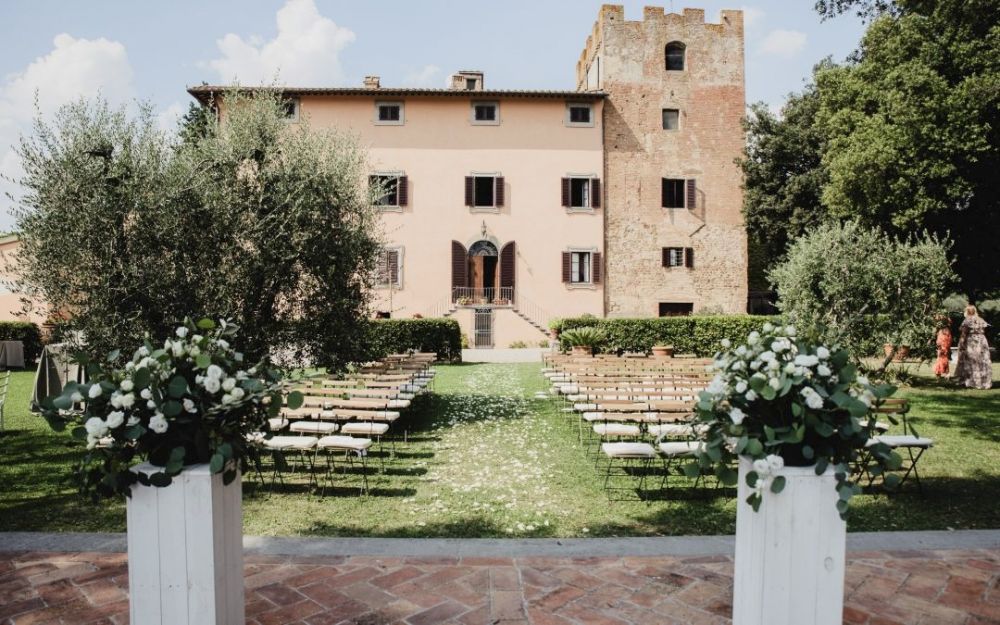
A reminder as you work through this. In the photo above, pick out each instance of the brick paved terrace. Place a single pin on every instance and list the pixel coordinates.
(925, 587)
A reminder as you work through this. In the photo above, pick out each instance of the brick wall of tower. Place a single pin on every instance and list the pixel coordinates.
(626, 59)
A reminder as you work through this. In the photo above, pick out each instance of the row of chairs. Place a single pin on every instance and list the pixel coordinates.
(633, 413)
(346, 416)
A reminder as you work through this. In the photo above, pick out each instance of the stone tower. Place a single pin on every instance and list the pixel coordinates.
(675, 240)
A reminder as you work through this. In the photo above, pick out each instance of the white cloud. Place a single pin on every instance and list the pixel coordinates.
(74, 68)
(752, 17)
(305, 51)
(168, 118)
(781, 42)
(422, 77)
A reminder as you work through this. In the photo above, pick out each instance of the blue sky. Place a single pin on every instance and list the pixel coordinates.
(152, 50)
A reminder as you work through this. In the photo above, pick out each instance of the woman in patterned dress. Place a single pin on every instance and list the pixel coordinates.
(974, 369)
(943, 342)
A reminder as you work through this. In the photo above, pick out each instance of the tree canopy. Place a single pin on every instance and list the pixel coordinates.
(130, 230)
(903, 136)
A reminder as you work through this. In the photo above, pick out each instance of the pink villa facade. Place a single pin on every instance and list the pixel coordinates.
(503, 209)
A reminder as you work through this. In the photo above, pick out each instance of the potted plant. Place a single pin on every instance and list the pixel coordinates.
(555, 327)
(169, 428)
(793, 416)
(663, 351)
(583, 340)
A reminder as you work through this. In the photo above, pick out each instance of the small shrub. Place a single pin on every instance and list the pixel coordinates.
(543, 343)
(689, 335)
(518, 345)
(585, 336)
(27, 333)
(442, 336)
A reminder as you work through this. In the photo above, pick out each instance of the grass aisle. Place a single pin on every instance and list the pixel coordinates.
(486, 458)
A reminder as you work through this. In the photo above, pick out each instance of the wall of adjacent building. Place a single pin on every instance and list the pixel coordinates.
(626, 60)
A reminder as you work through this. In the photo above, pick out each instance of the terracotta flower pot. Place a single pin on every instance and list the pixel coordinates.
(902, 353)
(583, 350)
(663, 351)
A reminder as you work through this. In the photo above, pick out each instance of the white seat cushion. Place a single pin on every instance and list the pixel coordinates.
(628, 450)
(314, 427)
(344, 442)
(277, 423)
(399, 403)
(370, 429)
(902, 440)
(881, 426)
(584, 406)
(385, 415)
(670, 429)
(593, 416)
(687, 448)
(290, 442)
(616, 429)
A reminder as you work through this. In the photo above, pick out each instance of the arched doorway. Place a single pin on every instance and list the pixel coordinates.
(482, 274)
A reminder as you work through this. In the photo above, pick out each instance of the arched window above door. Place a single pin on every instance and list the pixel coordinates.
(483, 248)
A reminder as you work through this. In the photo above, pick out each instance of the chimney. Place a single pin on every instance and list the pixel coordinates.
(467, 80)
(371, 82)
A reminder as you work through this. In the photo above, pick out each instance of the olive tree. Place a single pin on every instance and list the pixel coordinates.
(860, 288)
(127, 230)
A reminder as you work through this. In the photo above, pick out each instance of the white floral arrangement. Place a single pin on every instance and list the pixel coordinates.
(191, 400)
(780, 400)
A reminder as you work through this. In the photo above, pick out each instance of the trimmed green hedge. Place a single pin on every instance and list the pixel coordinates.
(388, 336)
(27, 333)
(689, 335)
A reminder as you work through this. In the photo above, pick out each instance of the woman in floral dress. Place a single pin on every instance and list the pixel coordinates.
(974, 369)
(943, 346)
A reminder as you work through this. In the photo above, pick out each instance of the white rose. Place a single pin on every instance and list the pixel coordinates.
(146, 393)
(741, 387)
(127, 401)
(762, 468)
(753, 338)
(158, 423)
(151, 404)
(805, 360)
(212, 385)
(814, 401)
(227, 399)
(822, 352)
(774, 383)
(115, 419)
(790, 330)
(189, 406)
(182, 332)
(768, 327)
(96, 427)
(126, 385)
(741, 350)
(228, 384)
(775, 463)
(790, 368)
(95, 391)
(224, 344)
(237, 393)
(130, 366)
(214, 372)
(241, 375)
(194, 350)
(737, 416)
(142, 351)
(751, 396)
(823, 371)
(177, 349)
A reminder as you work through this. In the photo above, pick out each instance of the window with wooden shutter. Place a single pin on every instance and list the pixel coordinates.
(564, 187)
(507, 258)
(499, 194)
(692, 197)
(403, 190)
(470, 190)
(595, 192)
(567, 266)
(388, 268)
(689, 257)
(385, 188)
(459, 268)
(595, 274)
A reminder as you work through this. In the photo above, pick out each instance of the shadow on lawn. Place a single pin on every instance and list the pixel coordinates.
(971, 411)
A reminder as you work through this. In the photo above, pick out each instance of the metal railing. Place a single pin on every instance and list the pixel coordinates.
(538, 315)
(493, 296)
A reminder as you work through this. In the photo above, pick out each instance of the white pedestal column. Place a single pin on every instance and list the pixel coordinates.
(790, 556)
(185, 550)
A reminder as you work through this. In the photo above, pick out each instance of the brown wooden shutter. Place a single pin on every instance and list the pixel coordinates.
(663, 192)
(498, 195)
(565, 192)
(567, 267)
(470, 190)
(383, 269)
(595, 193)
(689, 257)
(403, 190)
(459, 266)
(507, 256)
(690, 195)
(393, 262)
(595, 270)
(665, 257)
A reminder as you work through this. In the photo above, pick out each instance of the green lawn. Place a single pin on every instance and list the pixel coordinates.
(485, 458)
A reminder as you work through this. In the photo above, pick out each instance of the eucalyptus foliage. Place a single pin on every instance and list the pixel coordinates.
(251, 218)
(860, 288)
(779, 400)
